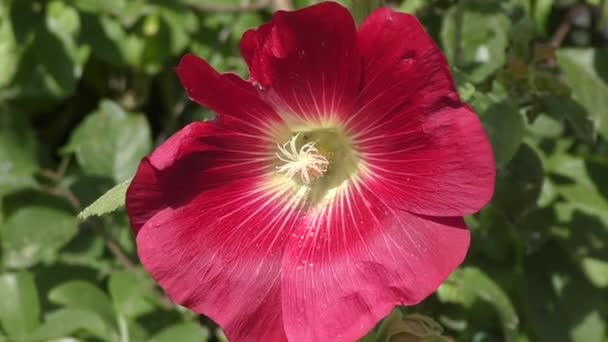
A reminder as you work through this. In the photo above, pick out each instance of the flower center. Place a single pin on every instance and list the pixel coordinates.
(307, 162)
(316, 161)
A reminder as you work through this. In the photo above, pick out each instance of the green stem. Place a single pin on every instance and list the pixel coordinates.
(123, 329)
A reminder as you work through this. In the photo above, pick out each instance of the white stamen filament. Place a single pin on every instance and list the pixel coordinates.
(308, 162)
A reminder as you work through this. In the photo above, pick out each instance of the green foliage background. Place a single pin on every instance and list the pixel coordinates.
(87, 89)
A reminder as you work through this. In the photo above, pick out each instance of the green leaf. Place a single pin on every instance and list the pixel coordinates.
(72, 322)
(468, 285)
(156, 39)
(518, 185)
(361, 9)
(87, 250)
(474, 36)
(466, 89)
(33, 234)
(51, 60)
(244, 22)
(521, 36)
(596, 271)
(586, 199)
(546, 126)
(585, 72)
(82, 295)
(542, 9)
(494, 235)
(130, 294)
(62, 18)
(505, 128)
(112, 43)
(9, 48)
(131, 330)
(572, 112)
(20, 309)
(186, 332)
(534, 230)
(412, 6)
(108, 202)
(567, 165)
(560, 305)
(142, 36)
(588, 193)
(584, 213)
(107, 6)
(165, 33)
(18, 149)
(111, 142)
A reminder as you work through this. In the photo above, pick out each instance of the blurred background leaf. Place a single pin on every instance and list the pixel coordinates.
(20, 312)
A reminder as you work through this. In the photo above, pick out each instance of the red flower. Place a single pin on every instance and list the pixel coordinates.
(330, 189)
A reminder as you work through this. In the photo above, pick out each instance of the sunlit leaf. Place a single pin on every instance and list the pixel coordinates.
(33, 234)
(108, 202)
(130, 294)
(474, 35)
(560, 305)
(9, 48)
(186, 332)
(111, 142)
(468, 285)
(82, 295)
(69, 322)
(51, 60)
(18, 149)
(20, 309)
(586, 71)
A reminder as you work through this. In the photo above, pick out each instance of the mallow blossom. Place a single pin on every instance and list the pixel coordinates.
(330, 188)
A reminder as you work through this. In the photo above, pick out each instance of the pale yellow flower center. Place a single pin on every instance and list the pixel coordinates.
(306, 162)
(315, 163)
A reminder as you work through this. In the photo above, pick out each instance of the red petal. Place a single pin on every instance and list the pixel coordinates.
(210, 231)
(199, 157)
(426, 151)
(145, 196)
(229, 96)
(351, 264)
(220, 255)
(308, 61)
(402, 67)
(440, 166)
